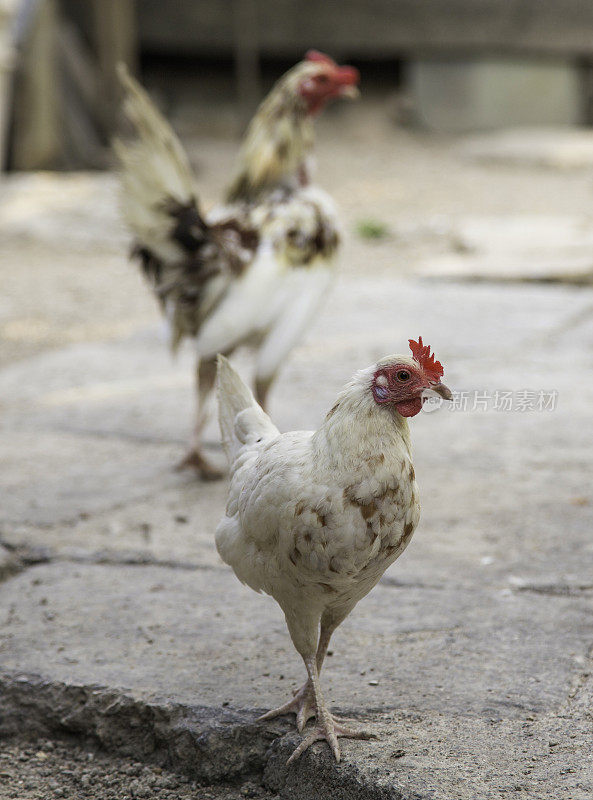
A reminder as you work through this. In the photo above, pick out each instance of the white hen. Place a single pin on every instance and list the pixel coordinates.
(315, 518)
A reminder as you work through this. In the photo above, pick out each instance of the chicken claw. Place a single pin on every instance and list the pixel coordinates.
(302, 704)
(195, 460)
(330, 729)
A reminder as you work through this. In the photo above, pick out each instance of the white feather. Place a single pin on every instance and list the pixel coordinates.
(245, 306)
(297, 302)
(241, 419)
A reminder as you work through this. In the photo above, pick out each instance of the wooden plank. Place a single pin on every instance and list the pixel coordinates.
(36, 141)
(246, 52)
(7, 62)
(81, 66)
(115, 41)
(83, 115)
(371, 28)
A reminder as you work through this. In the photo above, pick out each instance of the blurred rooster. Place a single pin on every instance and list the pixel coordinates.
(255, 269)
(315, 518)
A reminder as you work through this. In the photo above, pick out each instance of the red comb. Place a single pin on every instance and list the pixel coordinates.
(421, 353)
(316, 55)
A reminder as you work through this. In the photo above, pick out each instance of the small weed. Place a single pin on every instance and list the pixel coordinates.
(372, 229)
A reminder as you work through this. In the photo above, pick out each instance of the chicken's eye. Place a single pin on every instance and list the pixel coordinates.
(322, 78)
(403, 375)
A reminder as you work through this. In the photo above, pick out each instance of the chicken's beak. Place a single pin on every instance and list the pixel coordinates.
(348, 79)
(351, 92)
(442, 390)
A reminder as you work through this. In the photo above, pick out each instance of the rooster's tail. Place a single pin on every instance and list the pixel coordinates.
(242, 420)
(156, 177)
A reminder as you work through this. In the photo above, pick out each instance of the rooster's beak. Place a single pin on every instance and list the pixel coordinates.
(351, 92)
(442, 390)
(347, 78)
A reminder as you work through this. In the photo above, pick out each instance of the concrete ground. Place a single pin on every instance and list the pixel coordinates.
(122, 630)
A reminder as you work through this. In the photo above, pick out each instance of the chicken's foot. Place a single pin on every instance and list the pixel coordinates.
(196, 460)
(329, 729)
(326, 727)
(302, 704)
(261, 391)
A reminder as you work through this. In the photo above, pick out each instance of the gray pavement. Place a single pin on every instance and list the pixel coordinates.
(472, 658)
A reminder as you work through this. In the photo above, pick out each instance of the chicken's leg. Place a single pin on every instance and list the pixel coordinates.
(326, 727)
(303, 702)
(261, 390)
(195, 458)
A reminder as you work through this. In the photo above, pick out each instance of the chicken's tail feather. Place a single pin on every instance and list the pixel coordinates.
(242, 420)
(156, 177)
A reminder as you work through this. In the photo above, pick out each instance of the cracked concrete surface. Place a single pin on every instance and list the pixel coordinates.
(120, 626)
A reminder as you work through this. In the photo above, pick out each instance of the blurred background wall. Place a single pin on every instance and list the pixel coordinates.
(456, 65)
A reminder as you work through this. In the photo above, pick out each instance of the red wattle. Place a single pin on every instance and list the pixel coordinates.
(409, 408)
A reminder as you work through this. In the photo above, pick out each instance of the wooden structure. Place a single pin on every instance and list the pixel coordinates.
(374, 28)
(65, 92)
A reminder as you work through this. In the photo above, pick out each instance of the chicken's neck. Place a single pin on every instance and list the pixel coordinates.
(359, 432)
(277, 149)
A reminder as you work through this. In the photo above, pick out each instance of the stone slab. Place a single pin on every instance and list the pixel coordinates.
(84, 204)
(536, 248)
(457, 94)
(501, 268)
(73, 418)
(202, 639)
(552, 148)
(91, 432)
(421, 662)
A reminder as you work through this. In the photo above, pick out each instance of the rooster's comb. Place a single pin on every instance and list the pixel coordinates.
(316, 55)
(421, 353)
